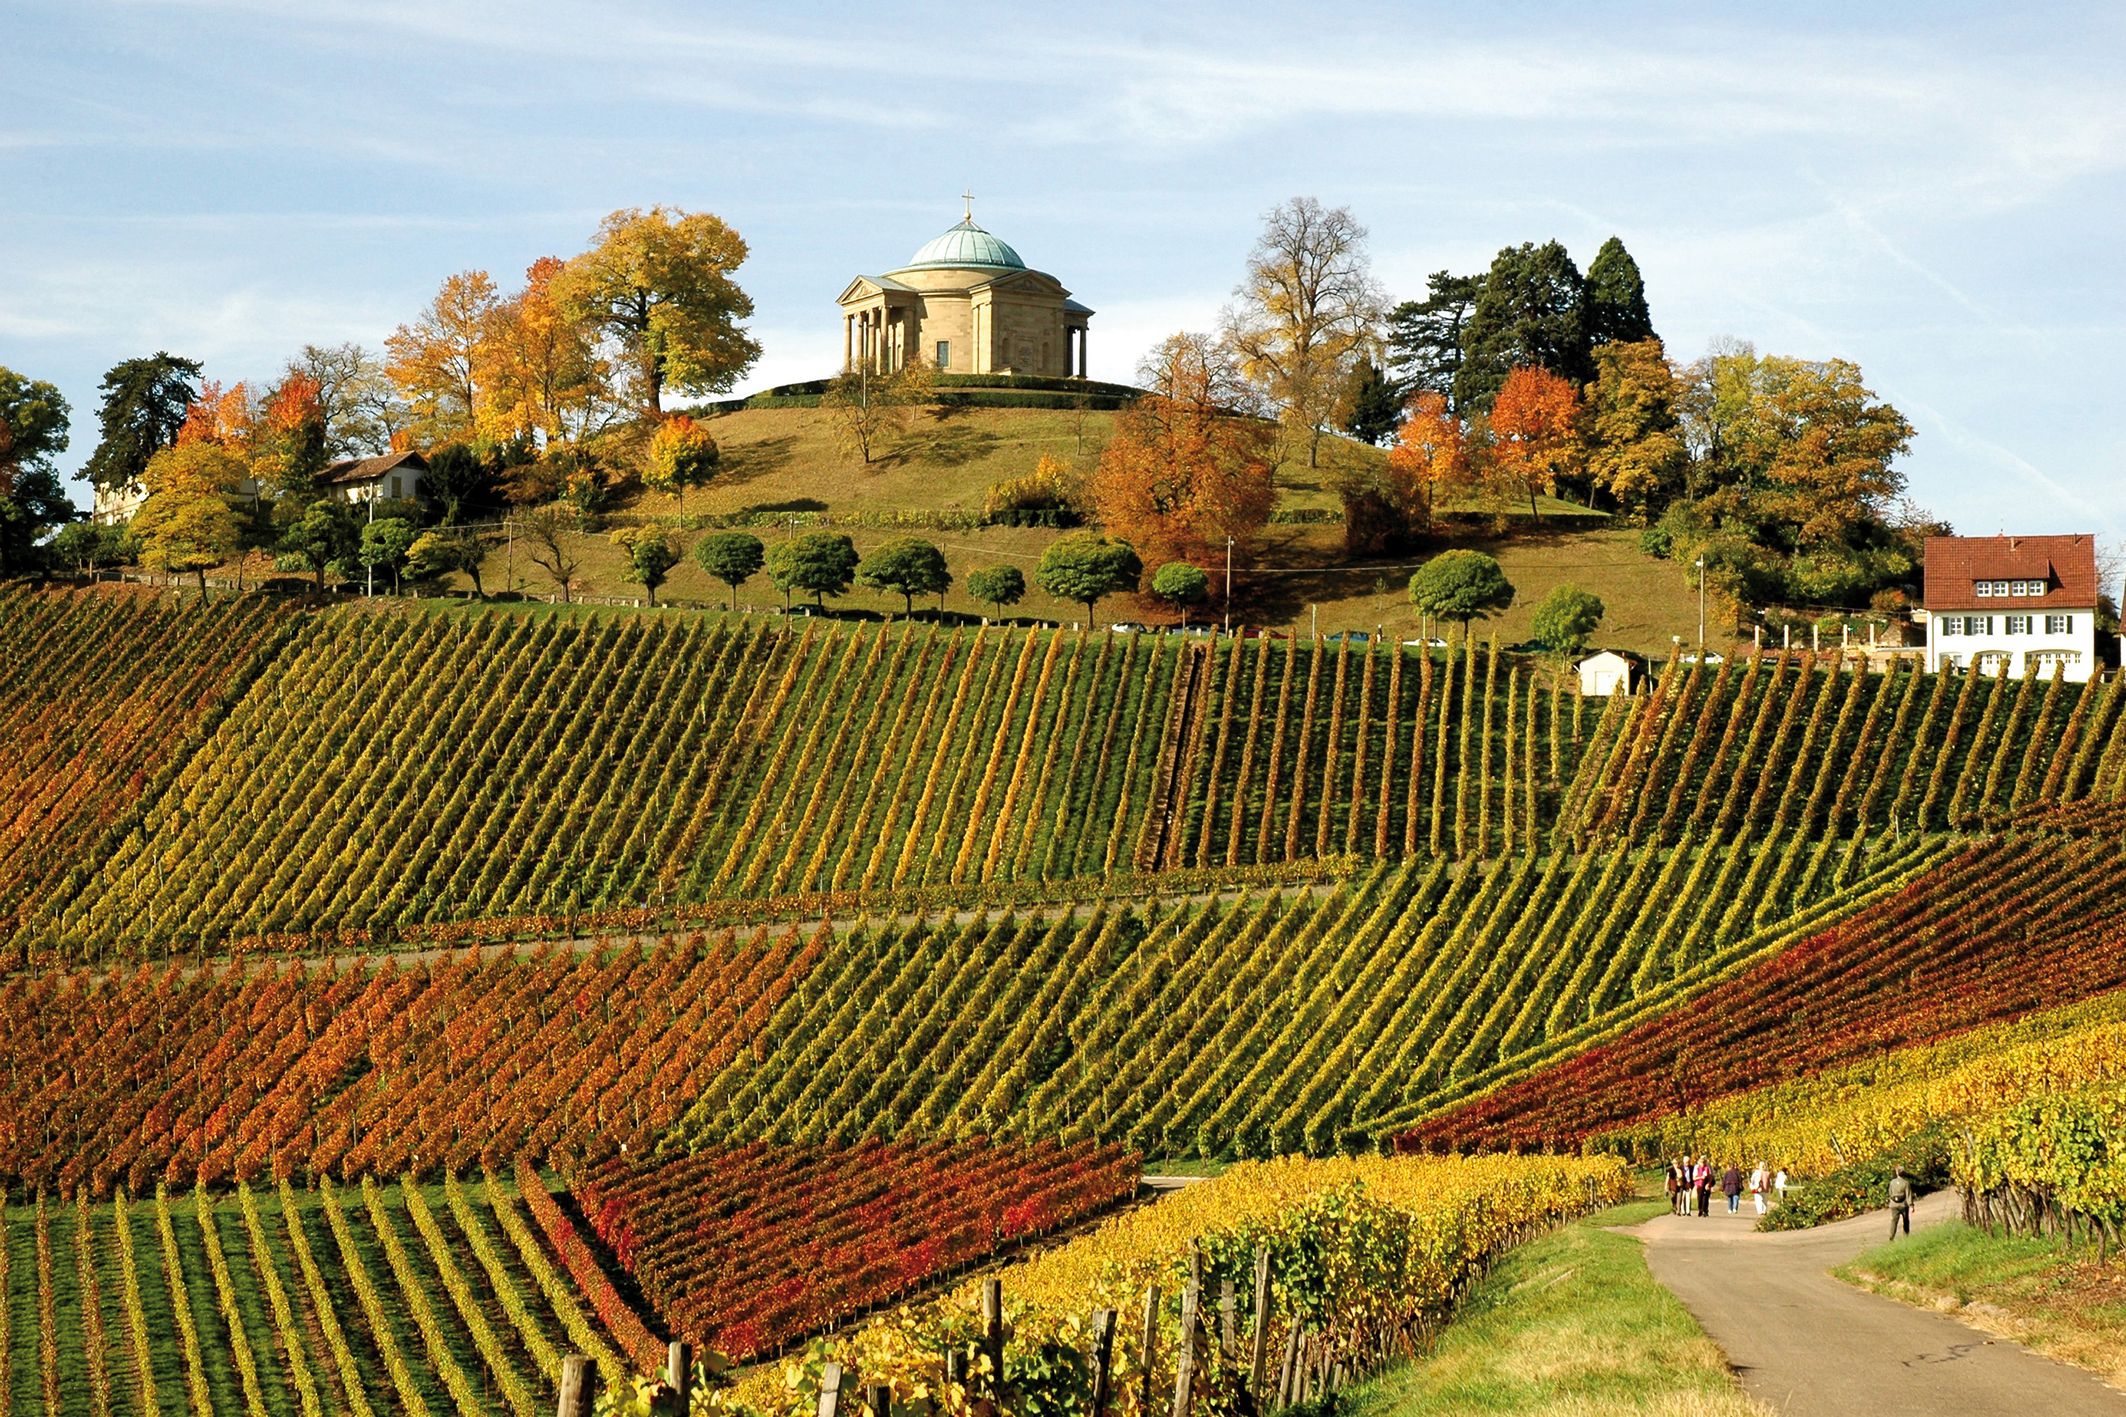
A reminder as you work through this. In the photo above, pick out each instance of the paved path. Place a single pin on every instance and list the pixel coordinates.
(1808, 1345)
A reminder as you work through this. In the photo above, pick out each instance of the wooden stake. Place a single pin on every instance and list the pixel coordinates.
(1227, 1340)
(1259, 1331)
(1185, 1355)
(575, 1386)
(679, 1374)
(880, 1399)
(1149, 1349)
(993, 1333)
(1103, 1359)
(830, 1390)
(1288, 1370)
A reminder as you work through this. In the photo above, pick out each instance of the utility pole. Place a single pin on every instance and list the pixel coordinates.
(1229, 585)
(1701, 607)
(369, 571)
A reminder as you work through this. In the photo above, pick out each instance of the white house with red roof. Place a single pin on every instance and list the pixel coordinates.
(2012, 605)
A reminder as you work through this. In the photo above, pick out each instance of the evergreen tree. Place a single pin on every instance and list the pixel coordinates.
(1616, 298)
(1532, 314)
(1425, 336)
(144, 403)
(1373, 405)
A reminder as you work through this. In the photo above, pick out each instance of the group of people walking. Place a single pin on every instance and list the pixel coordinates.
(1691, 1180)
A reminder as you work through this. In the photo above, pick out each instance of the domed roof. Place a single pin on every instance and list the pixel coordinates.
(966, 245)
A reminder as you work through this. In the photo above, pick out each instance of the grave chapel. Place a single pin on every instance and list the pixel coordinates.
(966, 304)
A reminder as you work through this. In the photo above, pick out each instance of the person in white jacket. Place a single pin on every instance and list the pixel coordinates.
(1758, 1182)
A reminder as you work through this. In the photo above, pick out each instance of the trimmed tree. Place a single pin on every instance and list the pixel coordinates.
(1460, 585)
(1565, 621)
(387, 545)
(733, 557)
(907, 567)
(651, 554)
(1181, 585)
(998, 585)
(1085, 566)
(818, 564)
(447, 549)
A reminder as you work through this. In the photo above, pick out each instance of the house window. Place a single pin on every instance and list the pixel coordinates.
(1950, 625)
(2018, 624)
(2059, 624)
(944, 354)
(396, 488)
(1982, 588)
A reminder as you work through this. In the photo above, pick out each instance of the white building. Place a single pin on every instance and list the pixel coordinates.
(394, 477)
(1607, 672)
(2012, 605)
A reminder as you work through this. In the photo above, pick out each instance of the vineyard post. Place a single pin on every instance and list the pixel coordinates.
(679, 1373)
(1103, 1359)
(575, 1386)
(1226, 1339)
(1185, 1355)
(992, 1335)
(1150, 1350)
(830, 1390)
(1259, 1332)
(1290, 1364)
(879, 1398)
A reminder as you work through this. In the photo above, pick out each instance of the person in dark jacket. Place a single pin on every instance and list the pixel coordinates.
(1900, 1202)
(1731, 1187)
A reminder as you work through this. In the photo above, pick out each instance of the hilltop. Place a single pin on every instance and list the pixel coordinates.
(781, 470)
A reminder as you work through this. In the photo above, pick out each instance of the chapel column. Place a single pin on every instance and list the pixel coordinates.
(848, 340)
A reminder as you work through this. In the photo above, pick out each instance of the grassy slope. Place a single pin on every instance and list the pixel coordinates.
(787, 459)
(1570, 1324)
(2039, 1292)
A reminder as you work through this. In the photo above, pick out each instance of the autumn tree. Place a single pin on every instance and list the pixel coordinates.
(144, 404)
(905, 566)
(186, 526)
(1635, 452)
(733, 557)
(33, 432)
(221, 416)
(869, 409)
(1304, 312)
(356, 399)
(440, 362)
(651, 553)
(1181, 474)
(659, 285)
(1531, 314)
(549, 379)
(681, 455)
(1534, 433)
(1430, 458)
(290, 440)
(1085, 566)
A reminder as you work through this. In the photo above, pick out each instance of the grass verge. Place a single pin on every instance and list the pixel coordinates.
(2042, 1293)
(1567, 1326)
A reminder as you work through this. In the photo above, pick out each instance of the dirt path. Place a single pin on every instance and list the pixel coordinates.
(1809, 1346)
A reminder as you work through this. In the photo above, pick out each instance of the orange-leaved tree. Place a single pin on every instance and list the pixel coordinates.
(1183, 473)
(223, 417)
(1430, 456)
(1534, 432)
(440, 362)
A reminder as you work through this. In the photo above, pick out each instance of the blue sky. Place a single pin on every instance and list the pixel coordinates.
(1932, 190)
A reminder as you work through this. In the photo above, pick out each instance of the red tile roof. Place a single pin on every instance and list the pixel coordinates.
(2066, 564)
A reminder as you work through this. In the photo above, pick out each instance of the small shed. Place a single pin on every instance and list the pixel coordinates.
(1611, 671)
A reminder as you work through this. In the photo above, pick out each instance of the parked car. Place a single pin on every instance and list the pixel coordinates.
(1693, 657)
(1128, 627)
(1356, 637)
(1433, 642)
